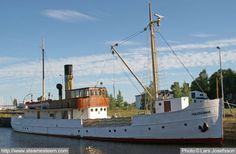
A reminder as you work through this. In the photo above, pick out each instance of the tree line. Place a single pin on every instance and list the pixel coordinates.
(210, 85)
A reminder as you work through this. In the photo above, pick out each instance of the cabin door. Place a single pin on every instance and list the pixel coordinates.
(167, 107)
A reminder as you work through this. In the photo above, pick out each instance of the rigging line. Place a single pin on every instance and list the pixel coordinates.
(113, 76)
(130, 79)
(102, 70)
(180, 61)
(131, 36)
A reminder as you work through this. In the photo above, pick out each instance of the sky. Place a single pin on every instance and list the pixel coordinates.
(81, 32)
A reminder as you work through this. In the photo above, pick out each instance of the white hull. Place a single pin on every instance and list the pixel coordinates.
(175, 126)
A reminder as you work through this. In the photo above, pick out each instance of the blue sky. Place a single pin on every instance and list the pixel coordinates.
(81, 32)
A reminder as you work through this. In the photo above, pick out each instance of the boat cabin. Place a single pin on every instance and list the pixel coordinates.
(173, 104)
(84, 103)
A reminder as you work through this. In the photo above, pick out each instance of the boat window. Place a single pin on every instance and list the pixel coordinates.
(96, 109)
(52, 115)
(100, 109)
(91, 110)
(105, 109)
(96, 92)
(77, 93)
(86, 92)
(92, 92)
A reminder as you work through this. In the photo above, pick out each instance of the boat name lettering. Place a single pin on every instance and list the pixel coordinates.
(202, 112)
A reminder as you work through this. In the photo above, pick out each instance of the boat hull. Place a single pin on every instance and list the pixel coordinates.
(198, 123)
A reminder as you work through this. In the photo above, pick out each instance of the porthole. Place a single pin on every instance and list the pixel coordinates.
(109, 130)
(78, 131)
(185, 124)
(149, 128)
(159, 104)
(96, 109)
(100, 109)
(125, 130)
(86, 131)
(91, 110)
(105, 109)
(163, 127)
(114, 130)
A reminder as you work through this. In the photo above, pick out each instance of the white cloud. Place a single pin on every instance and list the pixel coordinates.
(9, 59)
(67, 15)
(202, 35)
(93, 65)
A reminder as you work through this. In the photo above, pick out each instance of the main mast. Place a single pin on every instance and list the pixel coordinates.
(43, 73)
(154, 59)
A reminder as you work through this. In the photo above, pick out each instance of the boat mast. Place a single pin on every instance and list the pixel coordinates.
(154, 59)
(43, 73)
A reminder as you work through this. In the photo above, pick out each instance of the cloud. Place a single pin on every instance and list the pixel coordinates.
(4, 60)
(94, 65)
(202, 35)
(67, 15)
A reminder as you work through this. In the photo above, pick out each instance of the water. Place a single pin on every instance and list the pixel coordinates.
(10, 138)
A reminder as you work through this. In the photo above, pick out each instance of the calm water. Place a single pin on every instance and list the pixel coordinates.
(9, 138)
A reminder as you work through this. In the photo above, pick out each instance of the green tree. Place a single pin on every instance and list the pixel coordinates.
(185, 90)
(146, 99)
(229, 82)
(119, 99)
(202, 81)
(14, 102)
(112, 101)
(176, 89)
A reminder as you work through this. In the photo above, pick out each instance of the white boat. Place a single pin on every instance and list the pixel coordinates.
(83, 114)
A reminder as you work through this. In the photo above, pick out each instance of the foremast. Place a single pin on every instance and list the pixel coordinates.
(43, 73)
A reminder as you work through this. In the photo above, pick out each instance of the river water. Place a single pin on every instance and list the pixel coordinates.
(12, 139)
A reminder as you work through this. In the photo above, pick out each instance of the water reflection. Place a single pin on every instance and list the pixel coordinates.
(9, 138)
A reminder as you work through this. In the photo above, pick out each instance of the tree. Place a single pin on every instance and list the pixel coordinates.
(176, 89)
(112, 101)
(202, 81)
(14, 102)
(146, 99)
(185, 90)
(229, 81)
(119, 99)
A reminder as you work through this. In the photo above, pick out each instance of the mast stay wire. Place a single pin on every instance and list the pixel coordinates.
(130, 79)
(172, 50)
(102, 70)
(131, 36)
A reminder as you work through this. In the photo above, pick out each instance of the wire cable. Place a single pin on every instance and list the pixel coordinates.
(172, 50)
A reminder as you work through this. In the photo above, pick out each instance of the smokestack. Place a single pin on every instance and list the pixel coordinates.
(59, 87)
(68, 80)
